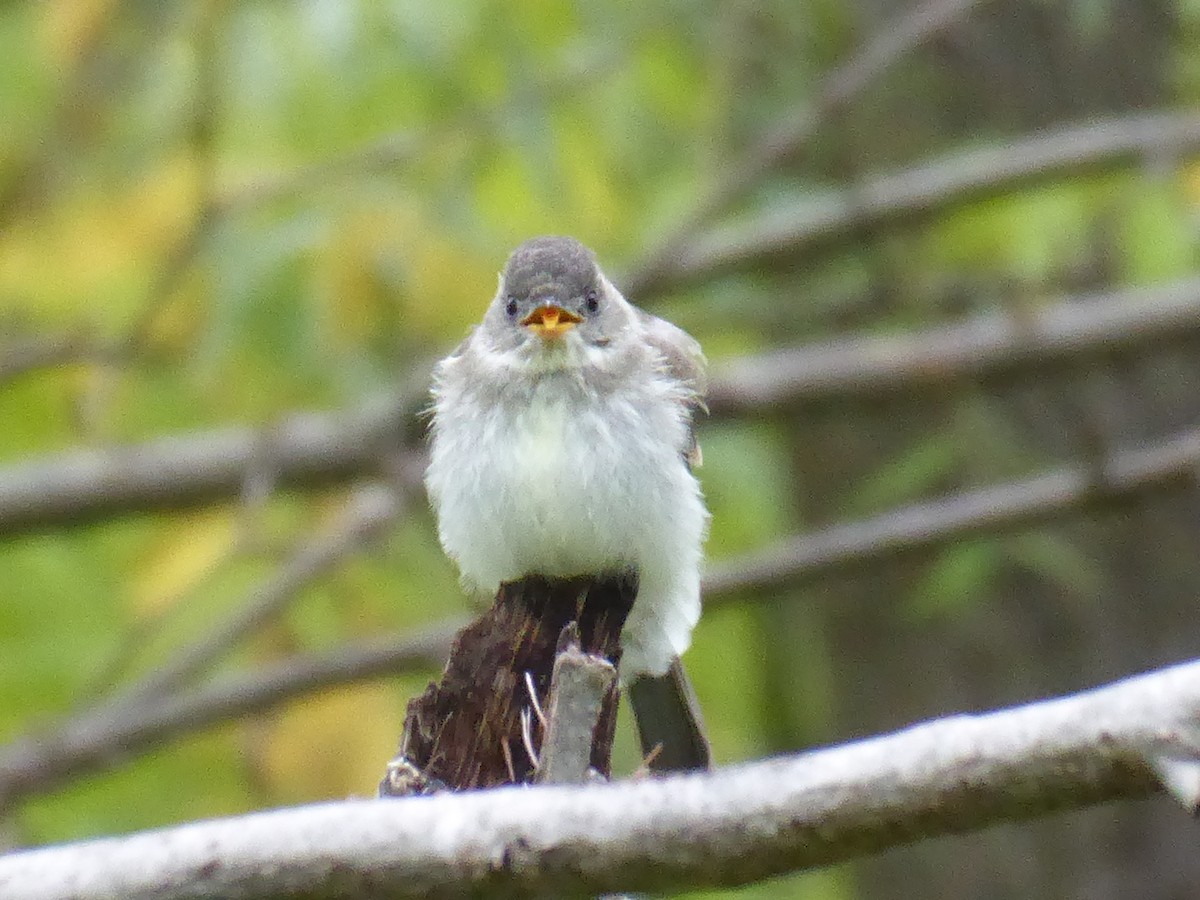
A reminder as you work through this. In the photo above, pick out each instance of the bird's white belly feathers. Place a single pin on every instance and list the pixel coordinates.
(576, 484)
(557, 493)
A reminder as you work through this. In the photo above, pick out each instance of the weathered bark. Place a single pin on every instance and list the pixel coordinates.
(466, 731)
(725, 828)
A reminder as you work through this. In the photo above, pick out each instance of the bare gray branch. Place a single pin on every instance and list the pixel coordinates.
(984, 346)
(993, 510)
(940, 184)
(309, 450)
(731, 827)
(105, 737)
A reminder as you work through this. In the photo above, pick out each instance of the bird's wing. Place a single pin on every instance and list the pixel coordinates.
(685, 362)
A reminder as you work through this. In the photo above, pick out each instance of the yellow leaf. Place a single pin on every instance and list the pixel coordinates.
(331, 745)
(181, 558)
(381, 259)
(70, 27)
(1191, 184)
(100, 251)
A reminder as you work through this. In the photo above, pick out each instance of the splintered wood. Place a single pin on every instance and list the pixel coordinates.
(476, 728)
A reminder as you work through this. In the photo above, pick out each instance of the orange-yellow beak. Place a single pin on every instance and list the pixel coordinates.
(551, 321)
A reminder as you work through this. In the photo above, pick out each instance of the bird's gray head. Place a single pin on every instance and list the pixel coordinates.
(552, 293)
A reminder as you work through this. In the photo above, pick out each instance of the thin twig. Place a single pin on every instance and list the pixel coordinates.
(527, 740)
(508, 760)
(533, 698)
(644, 769)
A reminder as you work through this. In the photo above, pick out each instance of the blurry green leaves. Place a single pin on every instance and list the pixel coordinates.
(300, 203)
(1156, 234)
(27, 79)
(560, 180)
(747, 487)
(669, 81)
(1132, 228)
(146, 795)
(922, 469)
(58, 617)
(954, 581)
(25, 434)
(1029, 235)
(260, 344)
(959, 578)
(725, 663)
(299, 87)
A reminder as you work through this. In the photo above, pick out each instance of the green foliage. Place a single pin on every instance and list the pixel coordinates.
(745, 479)
(953, 583)
(152, 793)
(1154, 238)
(244, 210)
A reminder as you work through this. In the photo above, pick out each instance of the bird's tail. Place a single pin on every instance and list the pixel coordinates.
(669, 722)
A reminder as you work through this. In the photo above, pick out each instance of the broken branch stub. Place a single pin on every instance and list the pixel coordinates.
(466, 731)
(582, 684)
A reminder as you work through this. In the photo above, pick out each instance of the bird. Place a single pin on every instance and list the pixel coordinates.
(563, 444)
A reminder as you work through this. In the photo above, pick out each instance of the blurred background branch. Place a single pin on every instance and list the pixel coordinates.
(905, 197)
(797, 127)
(157, 708)
(111, 736)
(313, 450)
(20, 357)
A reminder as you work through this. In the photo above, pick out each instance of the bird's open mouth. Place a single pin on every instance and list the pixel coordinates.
(551, 321)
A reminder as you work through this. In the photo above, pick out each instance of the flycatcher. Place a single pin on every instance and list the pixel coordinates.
(563, 445)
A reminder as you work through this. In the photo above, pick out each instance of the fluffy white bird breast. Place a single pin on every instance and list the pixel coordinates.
(547, 475)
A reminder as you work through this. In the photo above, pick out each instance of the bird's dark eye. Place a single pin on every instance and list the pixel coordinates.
(591, 300)
(511, 307)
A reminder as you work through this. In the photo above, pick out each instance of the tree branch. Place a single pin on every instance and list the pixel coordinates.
(840, 87)
(20, 357)
(990, 511)
(103, 738)
(989, 345)
(369, 512)
(95, 742)
(314, 449)
(304, 450)
(582, 683)
(810, 224)
(731, 827)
